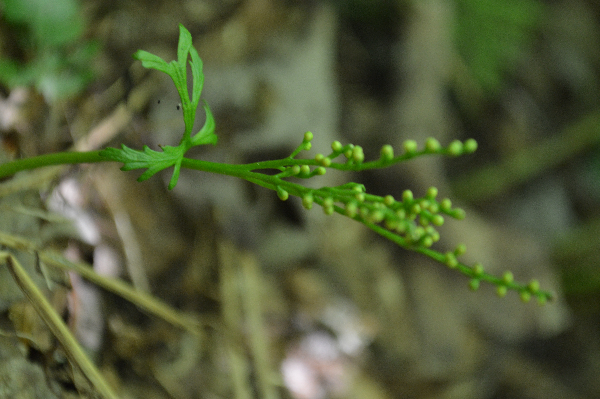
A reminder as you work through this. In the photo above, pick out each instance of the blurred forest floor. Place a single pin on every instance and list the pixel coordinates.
(292, 303)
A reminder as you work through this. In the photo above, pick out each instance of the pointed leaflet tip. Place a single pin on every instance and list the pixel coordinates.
(175, 176)
(152, 61)
(197, 76)
(183, 47)
(206, 135)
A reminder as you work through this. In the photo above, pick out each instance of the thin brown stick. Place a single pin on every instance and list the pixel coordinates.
(70, 345)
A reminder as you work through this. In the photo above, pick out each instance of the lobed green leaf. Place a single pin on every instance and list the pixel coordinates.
(154, 161)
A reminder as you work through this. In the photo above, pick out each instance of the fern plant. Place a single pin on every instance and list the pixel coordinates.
(409, 221)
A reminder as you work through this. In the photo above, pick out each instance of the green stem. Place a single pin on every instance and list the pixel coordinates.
(273, 182)
(356, 167)
(245, 172)
(240, 171)
(71, 158)
(57, 158)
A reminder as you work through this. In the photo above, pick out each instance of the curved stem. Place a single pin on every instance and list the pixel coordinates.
(461, 267)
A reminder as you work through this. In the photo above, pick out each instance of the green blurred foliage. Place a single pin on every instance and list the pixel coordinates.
(51, 23)
(491, 35)
(48, 33)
